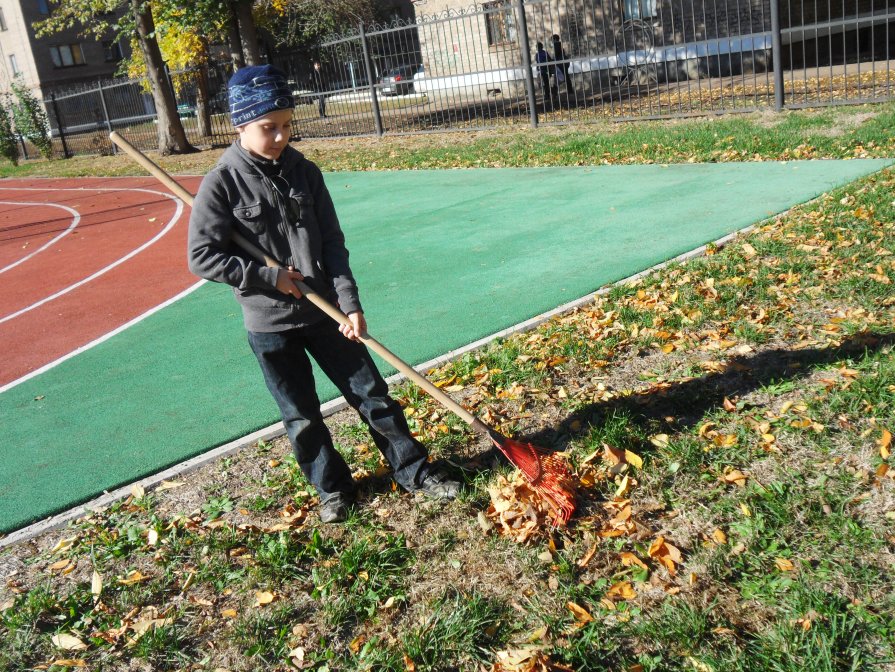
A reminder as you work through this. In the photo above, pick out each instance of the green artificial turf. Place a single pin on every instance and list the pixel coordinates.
(442, 258)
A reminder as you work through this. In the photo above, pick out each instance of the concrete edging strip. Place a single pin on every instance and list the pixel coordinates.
(329, 408)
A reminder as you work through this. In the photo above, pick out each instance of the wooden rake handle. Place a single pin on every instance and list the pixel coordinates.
(260, 255)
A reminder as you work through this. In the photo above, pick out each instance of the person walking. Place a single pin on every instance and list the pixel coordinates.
(542, 58)
(562, 68)
(320, 87)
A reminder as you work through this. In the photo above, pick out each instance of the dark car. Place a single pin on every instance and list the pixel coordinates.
(398, 81)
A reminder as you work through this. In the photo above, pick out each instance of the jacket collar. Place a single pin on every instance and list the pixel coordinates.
(240, 159)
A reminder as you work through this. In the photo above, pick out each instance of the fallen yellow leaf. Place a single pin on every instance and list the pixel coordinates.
(784, 565)
(96, 585)
(132, 578)
(63, 544)
(884, 442)
(581, 614)
(735, 476)
(622, 590)
(628, 559)
(586, 558)
(68, 642)
(263, 597)
(68, 662)
(634, 459)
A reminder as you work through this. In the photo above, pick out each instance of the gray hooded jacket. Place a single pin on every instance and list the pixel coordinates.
(298, 228)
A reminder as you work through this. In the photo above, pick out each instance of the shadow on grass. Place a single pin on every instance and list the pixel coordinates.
(687, 402)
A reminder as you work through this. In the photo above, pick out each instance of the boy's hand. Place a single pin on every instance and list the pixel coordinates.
(285, 276)
(357, 329)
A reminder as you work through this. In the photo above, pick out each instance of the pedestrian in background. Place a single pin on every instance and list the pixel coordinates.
(562, 67)
(542, 58)
(320, 87)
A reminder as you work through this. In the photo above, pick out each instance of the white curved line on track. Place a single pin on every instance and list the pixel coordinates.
(76, 218)
(108, 268)
(101, 339)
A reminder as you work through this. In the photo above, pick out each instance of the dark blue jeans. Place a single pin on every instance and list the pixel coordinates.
(287, 371)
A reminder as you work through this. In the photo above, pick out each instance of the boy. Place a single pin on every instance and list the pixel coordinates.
(267, 191)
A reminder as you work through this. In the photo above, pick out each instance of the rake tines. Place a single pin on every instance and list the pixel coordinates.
(547, 473)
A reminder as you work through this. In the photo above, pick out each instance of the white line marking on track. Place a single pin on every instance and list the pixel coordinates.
(71, 227)
(104, 337)
(108, 268)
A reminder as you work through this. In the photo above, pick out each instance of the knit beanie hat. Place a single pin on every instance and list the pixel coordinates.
(256, 91)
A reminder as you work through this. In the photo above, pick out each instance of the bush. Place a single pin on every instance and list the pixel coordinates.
(30, 118)
(9, 149)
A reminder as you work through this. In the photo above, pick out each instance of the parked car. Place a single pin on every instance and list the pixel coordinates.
(398, 81)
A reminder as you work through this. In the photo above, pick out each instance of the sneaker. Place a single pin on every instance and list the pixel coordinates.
(335, 509)
(439, 485)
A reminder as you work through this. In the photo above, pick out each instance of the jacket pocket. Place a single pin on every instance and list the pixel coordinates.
(303, 207)
(250, 217)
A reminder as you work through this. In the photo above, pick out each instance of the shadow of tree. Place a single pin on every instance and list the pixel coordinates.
(682, 405)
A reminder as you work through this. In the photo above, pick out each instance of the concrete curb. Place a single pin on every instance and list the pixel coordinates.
(276, 430)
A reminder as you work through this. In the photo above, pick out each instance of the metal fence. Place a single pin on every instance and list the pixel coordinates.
(539, 62)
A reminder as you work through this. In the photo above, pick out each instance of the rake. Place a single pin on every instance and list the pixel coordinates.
(547, 473)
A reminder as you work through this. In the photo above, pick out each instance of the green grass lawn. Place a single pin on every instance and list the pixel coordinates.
(831, 133)
(729, 420)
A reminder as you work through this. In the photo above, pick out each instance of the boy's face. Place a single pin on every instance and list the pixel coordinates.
(267, 136)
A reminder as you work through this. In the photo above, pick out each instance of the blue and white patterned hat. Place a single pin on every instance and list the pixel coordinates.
(256, 91)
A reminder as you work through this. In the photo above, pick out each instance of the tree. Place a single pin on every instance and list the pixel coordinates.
(171, 136)
(30, 118)
(8, 147)
(185, 34)
(305, 23)
(248, 34)
(123, 19)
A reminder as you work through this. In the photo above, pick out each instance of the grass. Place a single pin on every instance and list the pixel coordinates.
(750, 392)
(837, 132)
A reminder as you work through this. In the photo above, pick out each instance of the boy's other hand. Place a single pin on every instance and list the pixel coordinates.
(357, 329)
(285, 283)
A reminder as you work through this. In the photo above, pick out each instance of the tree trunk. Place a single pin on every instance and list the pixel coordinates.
(171, 136)
(247, 32)
(234, 41)
(203, 117)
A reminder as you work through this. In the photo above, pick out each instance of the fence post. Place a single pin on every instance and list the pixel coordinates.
(368, 64)
(777, 55)
(525, 46)
(65, 153)
(102, 99)
(24, 147)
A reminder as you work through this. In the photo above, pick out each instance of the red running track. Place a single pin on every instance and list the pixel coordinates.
(81, 257)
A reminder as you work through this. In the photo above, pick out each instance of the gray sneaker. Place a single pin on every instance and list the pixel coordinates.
(439, 485)
(335, 509)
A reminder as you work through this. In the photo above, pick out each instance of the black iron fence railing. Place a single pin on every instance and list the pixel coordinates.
(537, 62)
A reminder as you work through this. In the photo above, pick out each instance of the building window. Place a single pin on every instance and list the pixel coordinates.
(500, 22)
(2, 20)
(67, 55)
(43, 7)
(14, 64)
(112, 51)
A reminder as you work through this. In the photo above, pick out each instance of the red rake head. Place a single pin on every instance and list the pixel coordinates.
(547, 473)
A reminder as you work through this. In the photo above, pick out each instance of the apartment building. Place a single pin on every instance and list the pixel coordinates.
(51, 63)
